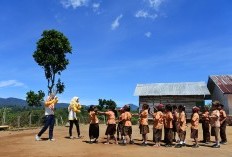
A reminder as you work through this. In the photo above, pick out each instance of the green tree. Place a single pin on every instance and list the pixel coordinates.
(34, 99)
(51, 56)
(104, 104)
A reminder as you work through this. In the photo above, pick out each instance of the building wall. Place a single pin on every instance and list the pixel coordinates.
(229, 103)
(223, 98)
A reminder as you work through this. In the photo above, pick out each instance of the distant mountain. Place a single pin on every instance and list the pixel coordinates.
(133, 107)
(6, 102)
(12, 102)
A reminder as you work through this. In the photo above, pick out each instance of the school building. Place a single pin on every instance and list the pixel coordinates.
(220, 87)
(188, 94)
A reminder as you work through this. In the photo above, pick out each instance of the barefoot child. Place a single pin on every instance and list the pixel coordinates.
(158, 125)
(93, 126)
(194, 126)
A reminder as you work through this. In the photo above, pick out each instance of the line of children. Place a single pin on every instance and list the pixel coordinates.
(173, 119)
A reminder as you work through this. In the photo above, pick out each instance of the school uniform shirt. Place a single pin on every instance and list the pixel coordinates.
(120, 117)
(168, 120)
(205, 116)
(195, 121)
(158, 120)
(175, 115)
(93, 117)
(126, 117)
(182, 121)
(71, 114)
(215, 119)
(110, 117)
(144, 117)
(222, 115)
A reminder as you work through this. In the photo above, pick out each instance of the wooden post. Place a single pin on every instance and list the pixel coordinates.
(56, 122)
(18, 121)
(61, 119)
(30, 120)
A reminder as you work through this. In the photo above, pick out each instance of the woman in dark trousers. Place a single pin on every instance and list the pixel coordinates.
(49, 117)
(73, 108)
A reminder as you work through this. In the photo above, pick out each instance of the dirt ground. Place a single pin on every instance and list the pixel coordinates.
(23, 144)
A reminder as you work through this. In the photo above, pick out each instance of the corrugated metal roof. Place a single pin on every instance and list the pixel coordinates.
(162, 89)
(224, 82)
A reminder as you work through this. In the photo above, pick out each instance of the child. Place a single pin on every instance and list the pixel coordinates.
(50, 119)
(74, 108)
(127, 125)
(144, 128)
(215, 123)
(223, 124)
(111, 125)
(205, 125)
(93, 126)
(194, 126)
(158, 125)
(120, 124)
(181, 126)
(175, 122)
(168, 118)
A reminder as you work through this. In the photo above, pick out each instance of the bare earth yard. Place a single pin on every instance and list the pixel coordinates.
(23, 144)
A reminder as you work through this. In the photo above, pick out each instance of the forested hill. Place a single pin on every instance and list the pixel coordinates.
(6, 102)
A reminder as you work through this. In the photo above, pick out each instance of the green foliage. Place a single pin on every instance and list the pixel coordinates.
(106, 104)
(34, 99)
(51, 56)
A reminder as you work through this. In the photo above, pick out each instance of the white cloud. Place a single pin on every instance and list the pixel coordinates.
(11, 83)
(74, 3)
(116, 23)
(96, 6)
(148, 34)
(145, 14)
(155, 4)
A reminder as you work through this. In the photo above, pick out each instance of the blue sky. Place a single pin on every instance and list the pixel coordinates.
(116, 44)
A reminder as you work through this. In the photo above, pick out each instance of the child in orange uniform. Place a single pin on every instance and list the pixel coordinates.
(194, 125)
(144, 128)
(168, 117)
(111, 125)
(93, 125)
(181, 126)
(215, 123)
(127, 125)
(158, 125)
(206, 125)
(223, 124)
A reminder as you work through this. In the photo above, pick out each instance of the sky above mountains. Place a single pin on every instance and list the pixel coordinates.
(116, 44)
